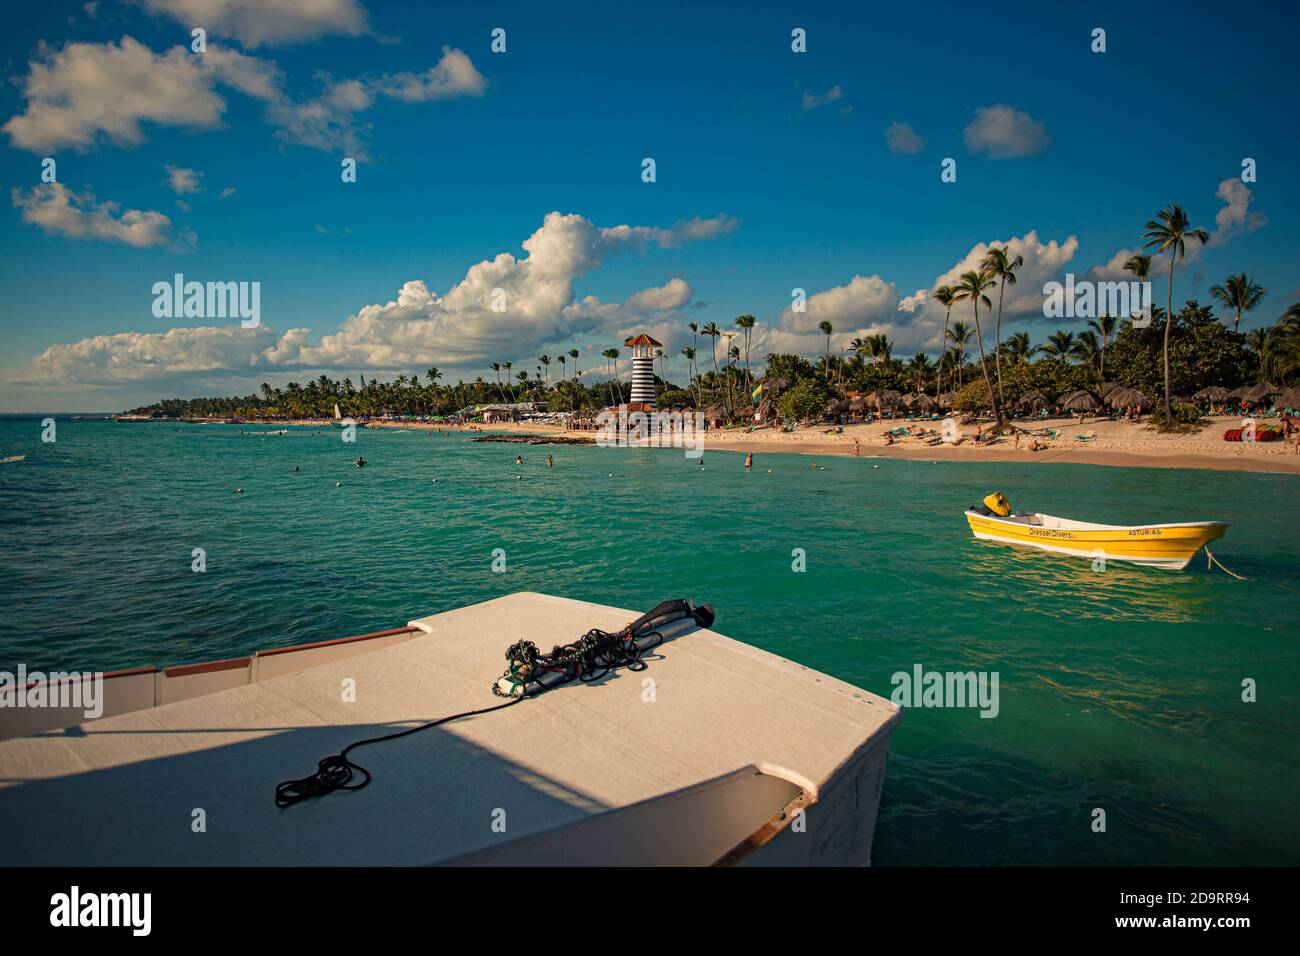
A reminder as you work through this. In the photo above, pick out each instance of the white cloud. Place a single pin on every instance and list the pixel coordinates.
(672, 295)
(146, 356)
(59, 211)
(903, 140)
(257, 22)
(420, 327)
(812, 100)
(183, 180)
(1001, 132)
(227, 192)
(85, 91)
(454, 75)
(1235, 218)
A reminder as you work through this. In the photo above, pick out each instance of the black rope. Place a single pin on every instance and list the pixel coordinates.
(335, 772)
(589, 658)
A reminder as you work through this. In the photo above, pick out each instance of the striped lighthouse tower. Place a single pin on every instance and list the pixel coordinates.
(643, 372)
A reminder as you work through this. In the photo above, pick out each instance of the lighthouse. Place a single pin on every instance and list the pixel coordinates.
(643, 372)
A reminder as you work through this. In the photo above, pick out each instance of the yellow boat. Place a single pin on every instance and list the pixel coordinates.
(1169, 546)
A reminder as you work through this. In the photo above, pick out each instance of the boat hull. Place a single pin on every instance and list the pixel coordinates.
(1167, 546)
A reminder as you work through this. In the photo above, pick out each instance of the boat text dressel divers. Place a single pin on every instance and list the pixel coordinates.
(83, 691)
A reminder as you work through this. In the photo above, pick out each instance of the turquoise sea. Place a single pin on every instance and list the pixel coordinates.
(1119, 690)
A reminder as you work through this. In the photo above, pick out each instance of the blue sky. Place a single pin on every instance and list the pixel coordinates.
(773, 167)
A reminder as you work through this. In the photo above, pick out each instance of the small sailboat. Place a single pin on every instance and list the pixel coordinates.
(1168, 546)
(338, 416)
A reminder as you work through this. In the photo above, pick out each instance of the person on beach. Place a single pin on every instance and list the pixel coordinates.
(749, 460)
(857, 448)
(979, 434)
(1017, 439)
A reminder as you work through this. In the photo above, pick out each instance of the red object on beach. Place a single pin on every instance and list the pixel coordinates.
(1261, 434)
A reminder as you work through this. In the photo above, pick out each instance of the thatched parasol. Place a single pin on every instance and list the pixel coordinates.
(1033, 399)
(1107, 388)
(1261, 392)
(885, 398)
(714, 414)
(947, 398)
(1082, 400)
(924, 403)
(837, 406)
(1239, 392)
(1125, 398)
(1289, 399)
(857, 404)
(1212, 393)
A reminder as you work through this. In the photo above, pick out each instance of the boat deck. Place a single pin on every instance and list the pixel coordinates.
(705, 764)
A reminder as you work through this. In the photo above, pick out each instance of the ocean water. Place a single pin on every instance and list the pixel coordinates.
(1119, 690)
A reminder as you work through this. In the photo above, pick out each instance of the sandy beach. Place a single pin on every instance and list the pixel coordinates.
(1116, 443)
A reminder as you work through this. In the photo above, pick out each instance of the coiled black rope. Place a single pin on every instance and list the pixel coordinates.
(589, 658)
(336, 772)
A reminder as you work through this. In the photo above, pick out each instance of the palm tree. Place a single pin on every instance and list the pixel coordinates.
(1170, 231)
(546, 370)
(1240, 293)
(1105, 327)
(1087, 349)
(1140, 266)
(959, 335)
(944, 296)
(827, 329)
(997, 261)
(612, 356)
(689, 354)
(972, 287)
(496, 374)
(577, 372)
(712, 331)
(508, 366)
(746, 324)
(1018, 349)
(1059, 345)
(920, 369)
(561, 359)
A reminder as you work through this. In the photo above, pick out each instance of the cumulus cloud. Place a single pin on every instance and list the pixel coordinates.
(812, 100)
(903, 140)
(1002, 132)
(1235, 218)
(674, 294)
(145, 356)
(59, 211)
(183, 180)
(83, 92)
(257, 22)
(419, 327)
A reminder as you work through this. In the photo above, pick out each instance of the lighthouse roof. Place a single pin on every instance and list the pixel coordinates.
(641, 339)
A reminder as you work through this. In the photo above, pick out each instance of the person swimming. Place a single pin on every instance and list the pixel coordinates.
(550, 461)
(519, 459)
(360, 462)
(749, 460)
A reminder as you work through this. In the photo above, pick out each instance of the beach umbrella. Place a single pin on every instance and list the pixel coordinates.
(1212, 393)
(924, 403)
(857, 404)
(1289, 399)
(1032, 399)
(885, 397)
(1125, 398)
(837, 406)
(1107, 388)
(1082, 401)
(1239, 392)
(1261, 392)
(947, 398)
